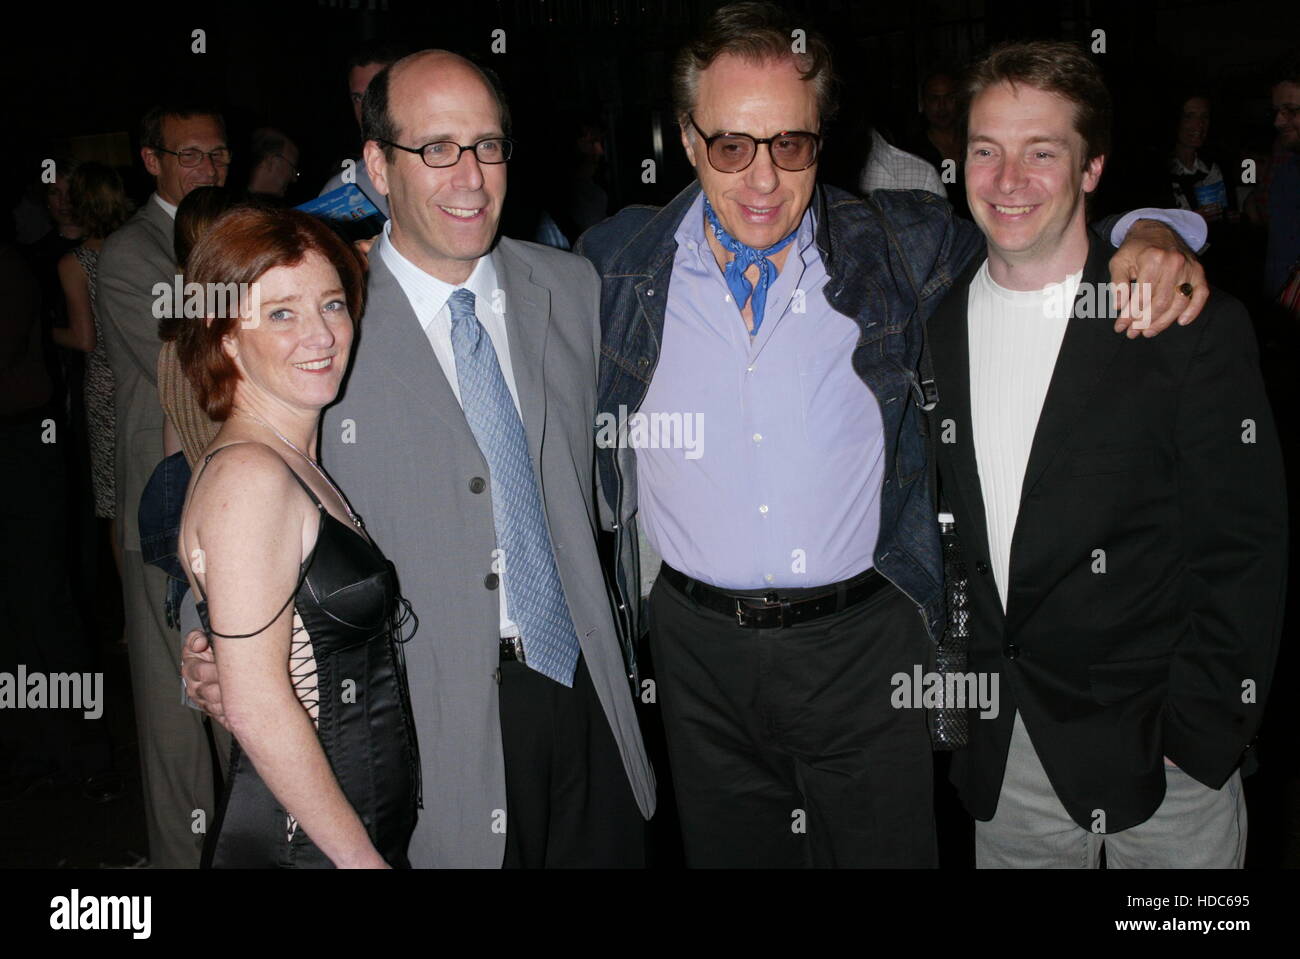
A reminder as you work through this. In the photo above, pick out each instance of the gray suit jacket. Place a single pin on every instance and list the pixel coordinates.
(399, 446)
(134, 258)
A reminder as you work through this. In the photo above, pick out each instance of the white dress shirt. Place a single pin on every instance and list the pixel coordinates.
(168, 208)
(889, 168)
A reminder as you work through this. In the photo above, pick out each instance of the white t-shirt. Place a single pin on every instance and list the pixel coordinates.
(1014, 341)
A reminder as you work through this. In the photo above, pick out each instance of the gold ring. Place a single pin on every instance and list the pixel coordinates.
(1186, 290)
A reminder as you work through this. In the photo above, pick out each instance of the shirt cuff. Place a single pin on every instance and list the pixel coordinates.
(1188, 225)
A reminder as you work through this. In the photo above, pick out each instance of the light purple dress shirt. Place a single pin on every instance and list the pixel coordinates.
(781, 486)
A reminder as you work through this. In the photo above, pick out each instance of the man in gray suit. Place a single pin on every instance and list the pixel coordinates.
(183, 149)
(465, 438)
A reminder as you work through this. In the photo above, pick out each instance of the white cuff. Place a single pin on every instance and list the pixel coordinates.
(1187, 224)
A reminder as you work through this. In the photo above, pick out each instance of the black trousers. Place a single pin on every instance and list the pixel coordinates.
(568, 800)
(784, 746)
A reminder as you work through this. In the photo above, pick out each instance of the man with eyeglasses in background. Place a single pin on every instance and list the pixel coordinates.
(183, 148)
(801, 550)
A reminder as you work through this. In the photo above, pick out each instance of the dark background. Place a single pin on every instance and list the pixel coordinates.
(80, 82)
(283, 64)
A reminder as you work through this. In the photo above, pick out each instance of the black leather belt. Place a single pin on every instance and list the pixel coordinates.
(512, 649)
(776, 609)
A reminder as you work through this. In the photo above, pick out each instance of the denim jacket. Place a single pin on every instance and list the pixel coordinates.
(890, 260)
(160, 527)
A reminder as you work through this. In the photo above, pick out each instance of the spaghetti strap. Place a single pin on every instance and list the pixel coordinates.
(208, 458)
(302, 575)
(307, 489)
(278, 614)
(292, 472)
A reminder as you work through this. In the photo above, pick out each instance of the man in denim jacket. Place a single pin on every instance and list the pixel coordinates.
(761, 389)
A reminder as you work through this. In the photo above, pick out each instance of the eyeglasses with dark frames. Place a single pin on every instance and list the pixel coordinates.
(791, 150)
(191, 157)
(445, 153)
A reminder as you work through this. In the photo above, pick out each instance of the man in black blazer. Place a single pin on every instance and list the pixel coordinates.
(1121, 506)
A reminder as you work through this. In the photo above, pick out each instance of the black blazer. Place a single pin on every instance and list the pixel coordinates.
(1139, 452)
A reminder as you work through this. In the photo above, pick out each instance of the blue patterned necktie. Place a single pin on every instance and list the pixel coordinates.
(742, 259)
(534, 594)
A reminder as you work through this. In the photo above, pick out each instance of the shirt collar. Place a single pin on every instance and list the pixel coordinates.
(1198, 166)
(426, 293)
(168, 208)
(691, 233)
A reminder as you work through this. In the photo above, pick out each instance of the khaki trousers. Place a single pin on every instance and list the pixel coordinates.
(175, 761)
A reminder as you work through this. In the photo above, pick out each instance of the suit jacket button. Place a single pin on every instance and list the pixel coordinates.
(491, 580)
(496, 675)
(477, 485)
(1010, 650)
(982, 568)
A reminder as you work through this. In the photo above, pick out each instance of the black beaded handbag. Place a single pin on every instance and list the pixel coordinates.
(950, 721)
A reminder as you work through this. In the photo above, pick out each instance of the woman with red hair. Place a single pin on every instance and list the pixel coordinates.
(301, 607)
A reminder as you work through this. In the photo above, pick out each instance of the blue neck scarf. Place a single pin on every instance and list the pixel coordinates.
(743, 257)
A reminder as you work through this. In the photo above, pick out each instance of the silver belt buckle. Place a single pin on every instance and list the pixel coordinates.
(769, 601)
(516, 646)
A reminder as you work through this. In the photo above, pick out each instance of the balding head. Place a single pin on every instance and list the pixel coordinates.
(425, 70)
(444, 215)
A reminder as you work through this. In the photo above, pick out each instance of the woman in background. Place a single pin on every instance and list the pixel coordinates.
(187, 430)
(99, 204)
(186, 427)
(1197, 182)
(1195, 176)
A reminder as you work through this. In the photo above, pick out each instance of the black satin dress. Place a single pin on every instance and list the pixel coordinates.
(348, 603)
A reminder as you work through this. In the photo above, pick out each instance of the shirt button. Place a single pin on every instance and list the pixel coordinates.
(491, 580)
(758, 437)
(763, 508)
(769, 577)
(749, 369)
(727, 297)
(477, 485)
